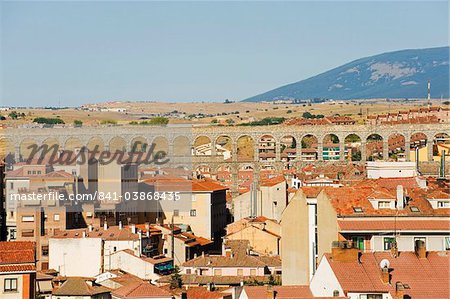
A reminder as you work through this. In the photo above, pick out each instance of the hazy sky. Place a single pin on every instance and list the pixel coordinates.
(79, 52)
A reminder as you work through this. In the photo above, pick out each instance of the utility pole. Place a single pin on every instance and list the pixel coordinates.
(173, 241)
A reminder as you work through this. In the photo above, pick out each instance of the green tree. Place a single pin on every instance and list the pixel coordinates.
(48, 121)
(13, 115)
(77, 123)
(176, 281)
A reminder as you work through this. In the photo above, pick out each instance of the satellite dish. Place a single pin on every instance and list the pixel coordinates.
(384, 263)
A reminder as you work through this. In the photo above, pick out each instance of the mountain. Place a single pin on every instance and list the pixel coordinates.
(400, 74)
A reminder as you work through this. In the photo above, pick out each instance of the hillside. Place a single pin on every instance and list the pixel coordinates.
(400, 74)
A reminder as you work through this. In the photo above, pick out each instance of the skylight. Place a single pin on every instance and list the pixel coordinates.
(358, 209)
(414, 209)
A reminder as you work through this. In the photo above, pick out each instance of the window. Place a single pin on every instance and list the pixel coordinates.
(252, 272)
(11, 185)
(12, 234)
(240, 272)
(56, 217)
(414, 209)
(10, 284)
(358, 242)
(44, 250)
(188, 271)
(357, 209)
(388, 241)
(28, 233)
(447, 243)
(384, 204)
(371, 296)
(217, 272)
(176, 213)
(193, 213)
(28, 218)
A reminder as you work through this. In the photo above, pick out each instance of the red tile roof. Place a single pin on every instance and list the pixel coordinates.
(391, 225)
(141, 290)
(17, 256)
(282, 292)
(426, 277)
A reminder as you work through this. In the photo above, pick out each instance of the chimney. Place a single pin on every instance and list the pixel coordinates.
(84, 234)
(147, 226)
(385, 275)
(183, 295)
(394, 249)
(400, 290)
(133, 228)
(342, 251)
(421, 250)
(91, 228)
(105, 225)
(120, 225)
(271, 293)
(228, 252)
(400, 198)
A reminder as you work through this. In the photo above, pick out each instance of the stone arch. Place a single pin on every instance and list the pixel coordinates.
(245, 148)
(246, 177)
(374, 147)
(73, 144)
(266, 148)
(353, 143)
(202, 146)
(6, 147)
(95, 143)
(204, 171)
(309, 144)
(224, 146)
(160, 143)
(224, 173)
(331, 147)
(418, 145)
(441, 147)
(139, 144)
(117, 144)
(396, 147)
(181, 146)
(288, 148)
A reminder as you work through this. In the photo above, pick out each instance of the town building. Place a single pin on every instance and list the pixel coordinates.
(17, 270)
(354, 274)
(374, 214)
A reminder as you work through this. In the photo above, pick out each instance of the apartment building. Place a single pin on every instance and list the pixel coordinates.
(202, 205)
(263, 234)
(17, 270)
(96, 246)
(269, 201)
(374, 215)
(347, 271)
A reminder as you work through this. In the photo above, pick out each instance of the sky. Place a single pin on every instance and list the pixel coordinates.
(72, 53)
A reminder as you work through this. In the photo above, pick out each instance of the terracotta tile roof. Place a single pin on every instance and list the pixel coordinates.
(17, 256)
(76, 286)
(391, 225)
(192, 279)
(141, 290)
(112, 233)
(427, 277)
(273, 181)
(282, 292)
(238, 260)
(203, 293)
